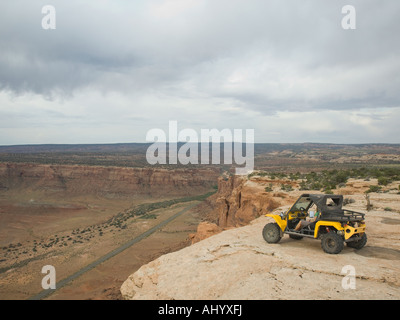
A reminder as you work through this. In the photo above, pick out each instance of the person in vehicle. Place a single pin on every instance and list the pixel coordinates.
(304, 223)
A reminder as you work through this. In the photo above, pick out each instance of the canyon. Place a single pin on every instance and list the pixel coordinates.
(70, 215)
(69, 206)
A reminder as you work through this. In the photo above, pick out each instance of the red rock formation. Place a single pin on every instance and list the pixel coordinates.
(106, 181)
(237, 202)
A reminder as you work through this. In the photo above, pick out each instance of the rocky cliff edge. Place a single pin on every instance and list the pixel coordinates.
(237, 263)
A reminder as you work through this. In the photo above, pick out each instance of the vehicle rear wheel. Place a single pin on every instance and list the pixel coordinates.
(332, 243)
(358, 244)
(272, 233)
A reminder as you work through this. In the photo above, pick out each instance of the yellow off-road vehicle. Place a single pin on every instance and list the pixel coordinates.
(319, 216)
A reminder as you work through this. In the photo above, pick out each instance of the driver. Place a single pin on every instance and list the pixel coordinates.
(304, 223)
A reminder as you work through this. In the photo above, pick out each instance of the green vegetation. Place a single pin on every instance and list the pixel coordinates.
(149, 216)
(286, 187)
(373, 189)
(269, 188)
(383, 181)
(327, 180)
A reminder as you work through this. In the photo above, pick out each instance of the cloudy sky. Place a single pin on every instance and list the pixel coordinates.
(113, 70)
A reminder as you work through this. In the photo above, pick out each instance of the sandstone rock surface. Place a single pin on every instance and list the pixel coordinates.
(239, 264)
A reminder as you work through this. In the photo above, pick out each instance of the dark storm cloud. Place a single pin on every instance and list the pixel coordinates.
(112, 60)
(155, 45)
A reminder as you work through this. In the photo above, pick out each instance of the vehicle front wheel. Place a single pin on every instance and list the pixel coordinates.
(295, 237)
(332, 243)
(272, 233)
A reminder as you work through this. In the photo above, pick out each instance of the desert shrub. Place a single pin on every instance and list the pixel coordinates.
(331, 179)
(147, 216)
(373, 189)
(303, 185)
(295, 176)
(268, 188)
(281, 175)
(257, 173)
(340, 177)
(286, 187)
(383, 181)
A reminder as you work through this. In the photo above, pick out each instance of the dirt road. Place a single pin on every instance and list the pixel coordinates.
(45, 293)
